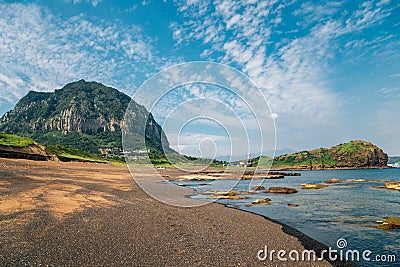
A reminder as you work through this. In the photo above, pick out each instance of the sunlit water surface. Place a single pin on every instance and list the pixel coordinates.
(345, 210)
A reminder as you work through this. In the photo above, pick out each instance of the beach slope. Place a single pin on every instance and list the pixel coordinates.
(74, 213)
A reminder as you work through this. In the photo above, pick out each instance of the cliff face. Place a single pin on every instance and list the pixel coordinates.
(360, 154)
(86, 115)
(354, 154)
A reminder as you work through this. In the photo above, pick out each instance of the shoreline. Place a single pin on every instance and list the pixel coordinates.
(45, 204)
(308, 242)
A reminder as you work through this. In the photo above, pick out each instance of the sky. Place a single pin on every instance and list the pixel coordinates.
(329, 70)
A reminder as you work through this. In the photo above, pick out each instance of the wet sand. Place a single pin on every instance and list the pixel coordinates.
(57, 213)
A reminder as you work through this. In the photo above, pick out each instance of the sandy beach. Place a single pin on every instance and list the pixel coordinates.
(57, 213)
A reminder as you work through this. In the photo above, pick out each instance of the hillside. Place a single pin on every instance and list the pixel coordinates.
(85, 115)
(12, 146)
(354, 154)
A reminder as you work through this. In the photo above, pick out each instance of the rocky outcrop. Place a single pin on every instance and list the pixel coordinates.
(281, 190)
(312, 186)
(393, 185)
(354, 154)
(232, 195)
(265, 201)
(389, 223)
(258, 188)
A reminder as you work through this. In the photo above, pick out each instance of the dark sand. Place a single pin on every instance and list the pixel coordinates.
(55, 213)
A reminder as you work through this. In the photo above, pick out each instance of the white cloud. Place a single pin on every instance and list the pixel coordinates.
(383, 2)
(40, 51)
(198, 144)
(309, 12)
(290, 77)
(367, 15)
(94, 3)
(293, 69)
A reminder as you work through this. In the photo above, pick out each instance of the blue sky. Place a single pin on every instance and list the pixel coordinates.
(329, 69)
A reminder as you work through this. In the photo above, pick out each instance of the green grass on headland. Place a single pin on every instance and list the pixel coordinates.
(353, 154)
(8, 139)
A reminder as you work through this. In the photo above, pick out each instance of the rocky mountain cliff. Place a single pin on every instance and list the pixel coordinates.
(86, 115)
(354, 154)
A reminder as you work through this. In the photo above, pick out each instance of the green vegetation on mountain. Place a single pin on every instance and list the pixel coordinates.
(354, 154)
(86, 116)
(8, 139)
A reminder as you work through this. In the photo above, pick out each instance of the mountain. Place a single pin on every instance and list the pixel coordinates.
(85, 115)
(354, 154)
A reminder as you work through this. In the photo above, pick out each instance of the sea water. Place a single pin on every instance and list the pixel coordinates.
(340, 211)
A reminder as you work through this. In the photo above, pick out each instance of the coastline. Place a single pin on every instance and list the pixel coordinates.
(328, 169)
(308, 242)
(84, 213)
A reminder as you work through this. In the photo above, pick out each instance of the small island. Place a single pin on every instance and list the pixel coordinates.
(355, 154)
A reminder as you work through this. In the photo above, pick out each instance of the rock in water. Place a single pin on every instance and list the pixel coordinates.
(282, 190)
(333, 181)
(389, 223)
(265, 201)
(258, 188)
(262, 201)
(312, 186)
